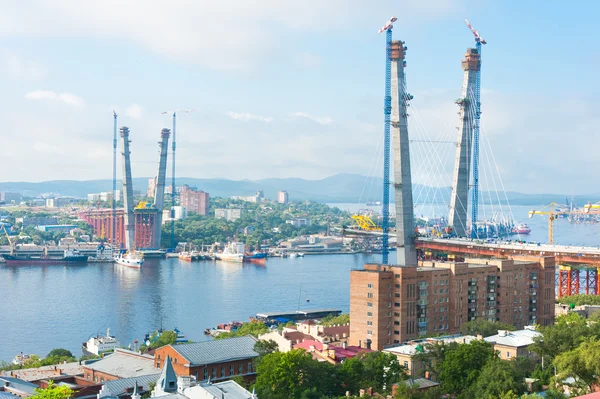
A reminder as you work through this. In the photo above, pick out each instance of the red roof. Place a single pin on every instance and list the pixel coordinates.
(595, 395)
(340, 352)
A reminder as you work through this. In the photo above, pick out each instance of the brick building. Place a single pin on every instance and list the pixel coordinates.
(101, 222)
(194, 201)
(394, 304)
(217, 360)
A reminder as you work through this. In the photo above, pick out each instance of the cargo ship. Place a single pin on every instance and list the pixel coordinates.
(69, 256)
(521, 229)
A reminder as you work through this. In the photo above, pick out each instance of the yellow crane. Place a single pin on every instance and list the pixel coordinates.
(10, 242)
(365, 223)
(553, 214)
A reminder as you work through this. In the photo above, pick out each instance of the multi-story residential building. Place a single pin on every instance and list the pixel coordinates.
(395, 304)
(282, 197)
(231, 214)
(194, 201)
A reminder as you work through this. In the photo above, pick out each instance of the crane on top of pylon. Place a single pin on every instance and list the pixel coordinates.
(388, 25)
(478, 37)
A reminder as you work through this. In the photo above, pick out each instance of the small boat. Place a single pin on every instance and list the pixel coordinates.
(20, 359)
(100, 344)
(521, 229)
(300, 254)
(130, 259)
(293, 255)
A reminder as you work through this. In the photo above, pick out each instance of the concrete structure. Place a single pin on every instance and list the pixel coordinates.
(405, 250)
(127, 190)
(462, 166)
(151, 187)
(36, 220)
(146, 223)
(258, 197)
(282, 197)
(58, 202)
(193, 200)
(101, 222)
(121, 364)
(159, 193)
(394, 304)
(298, 222)
(53, 228)
(10, 197)
(230, 214)
(217, 360)
(510, 344)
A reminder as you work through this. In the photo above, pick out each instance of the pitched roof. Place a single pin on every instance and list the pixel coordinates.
(217, 351)
(515, 339)
(422, 383)
(125, 364)
(7, 395)
(224, 390)
(167, 382)
(117, 387)
(17, 385)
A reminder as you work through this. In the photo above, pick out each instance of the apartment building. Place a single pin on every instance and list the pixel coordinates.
(394, 304)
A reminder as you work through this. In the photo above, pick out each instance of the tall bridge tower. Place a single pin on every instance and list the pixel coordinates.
(159, 191)
(127, 191)
(459, 200)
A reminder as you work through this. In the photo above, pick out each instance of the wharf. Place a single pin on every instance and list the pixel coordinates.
(299, 314)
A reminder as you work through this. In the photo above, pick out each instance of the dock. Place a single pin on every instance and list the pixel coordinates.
(299, 314)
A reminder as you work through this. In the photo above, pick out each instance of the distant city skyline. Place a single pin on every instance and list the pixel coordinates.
(293, 89)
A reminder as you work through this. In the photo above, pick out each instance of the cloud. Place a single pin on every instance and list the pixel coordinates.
(246, 117)
(325, 120)
(209, 32)
(67, 98)
(16, 67)
(134, 111)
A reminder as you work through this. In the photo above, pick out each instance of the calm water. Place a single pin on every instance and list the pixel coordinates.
(59, 306)
(46, 307)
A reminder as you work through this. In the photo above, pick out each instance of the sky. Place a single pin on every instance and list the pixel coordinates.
(295, 89)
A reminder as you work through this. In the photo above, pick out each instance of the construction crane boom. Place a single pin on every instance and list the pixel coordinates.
(554, 214)
(10, 242)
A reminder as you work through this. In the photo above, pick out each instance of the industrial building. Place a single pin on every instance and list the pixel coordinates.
(193, 200)
(282, 197)
(394, 304)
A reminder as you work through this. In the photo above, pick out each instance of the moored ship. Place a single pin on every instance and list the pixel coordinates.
(233, 252)
(69, 256)
(130, 259)
(96, 346)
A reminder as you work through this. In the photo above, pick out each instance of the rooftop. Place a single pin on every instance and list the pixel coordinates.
(421, 383)
(118, 387)
(17, 385)
(514, 338)
(297, 312)
(45, 372)
(218, 351)
(125, 364)
(224, 390)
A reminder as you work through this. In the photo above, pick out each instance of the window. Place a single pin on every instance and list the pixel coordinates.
(369, 314)
(370, 295)
(370, 304)
(101, 379)
(205, 373)
(396, 323)
(171, 384)
(397, 304)
(249, 367)
(396, 314)
(369, 323)
(406, 365)
(231, 369)
(213, 373)
(95, 379)
(369, 285)
(158, 357)
(157, 365)
(397, 286)
(222, 371)
(240, 369)
(397, 295)
(89, 377)
(175, 360)
(397, 275)
(507, 354)
(396, 332)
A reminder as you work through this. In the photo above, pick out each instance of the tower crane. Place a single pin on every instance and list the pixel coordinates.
(589, 206)
(174, 147)
(10, 242)
(554, 214)
(475, 193)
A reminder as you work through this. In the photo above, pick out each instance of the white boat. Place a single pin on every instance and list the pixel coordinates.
(130, 259)
(300, 254)
(233, 252)
(293, 255)
(100, 344)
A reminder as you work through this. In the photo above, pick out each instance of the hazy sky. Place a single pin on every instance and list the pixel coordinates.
(295, 88)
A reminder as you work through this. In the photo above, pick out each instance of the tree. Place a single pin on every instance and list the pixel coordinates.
(287, 375)
(331, 320)
(433, 356)
(265, 347)
(160, 339)
(59, 355)
(53, 392)
(463, 364)
(498, 378)
(484, 327)
(380, 371)
(563, 336)
(254, 328)
(580, 363)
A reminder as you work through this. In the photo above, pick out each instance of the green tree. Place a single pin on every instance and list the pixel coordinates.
(265, 347)
(335, 320)
(563, 336)
(463, 364)
(160, 339)
(580, 363)
(484, 327)
(53, 392)
(254, 328)
(498, 378)
(59, 355)
(433, 355)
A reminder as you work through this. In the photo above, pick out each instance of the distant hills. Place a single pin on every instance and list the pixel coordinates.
(350, 188)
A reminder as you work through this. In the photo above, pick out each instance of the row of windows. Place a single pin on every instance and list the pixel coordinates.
(213, 370)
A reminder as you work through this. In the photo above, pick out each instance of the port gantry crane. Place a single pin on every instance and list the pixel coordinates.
(387, 109)
(475, 192)
(10, 242)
